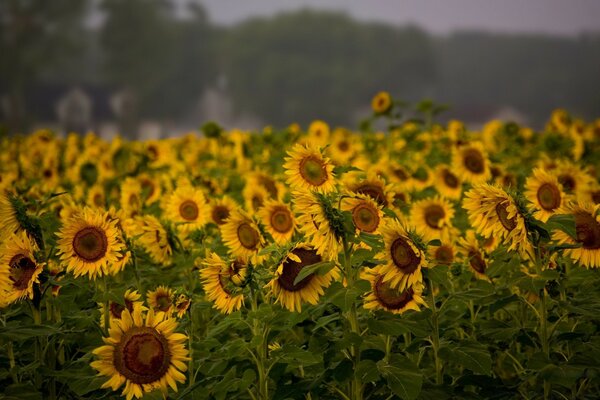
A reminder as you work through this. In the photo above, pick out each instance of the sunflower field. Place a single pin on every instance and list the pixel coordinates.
(406, 260)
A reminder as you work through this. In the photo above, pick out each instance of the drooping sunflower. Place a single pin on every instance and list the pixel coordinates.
(587, 228)
(90, 243)
(161, 299)
(546, 194)
(366, 213)
(432, 217)
(143, 355)
(19, 270)
(187, 207)
(278, 219)
(472, 253)
(152, 236)
(493, 212)
(471, 163)
(381, 103)
(222, 282)
(385, 297)
(290, 295)
(307, 169)
(132, 302)
(8, 215)
(241, 234)
(221, 208)
(447, 183)
(404, 257)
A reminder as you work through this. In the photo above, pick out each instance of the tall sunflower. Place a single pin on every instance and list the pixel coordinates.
(278, 219)
(241, 234)
(161, 299)
(587, 228)
(222, 282)
(19, 270)
(291, 295)
(432, 217)
(307, 169)
(90, 243)
(187, 207)
(471, 163)
(546, 194)
(143, 355)
(385, 297)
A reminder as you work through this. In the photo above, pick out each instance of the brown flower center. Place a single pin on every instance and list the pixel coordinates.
(568, 182)
(257, 201)
(444, 255)
(281, 220)
(248, 236)
(163, 302)
(404, 257)
(188, 210)
(390, 298)
(477, 262)
(22, 269)
(588, 230)
(343, 145)
(117, 309)
(548, 196)
(313, 170)
(90, 244)
(291, 269)
(401, 174)
(148, 187)
(220, 214)
(98, 200)
(269, 185)
(474, 161)
(596, 196)
(374, 191)
(450, 179)
(434, 213)
(142, 355)
(365, 217)
(508, 223)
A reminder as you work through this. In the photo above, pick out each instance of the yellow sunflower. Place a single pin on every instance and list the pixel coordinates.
(290, 295)
(572, 177)
(307, 169)
(131, 302)
(131, 197)
(90, 243)
(241, 234)
(444, 254)
(471, 163)
(278, 219)
(220, 209)
(19, 270)
(403, 257)
(274, 188)
(472, 253)
(187, 207)
(546, 194)
(255, 197)
(587, 227)
(143, 355)
(8, 215)
(447, 183)
(182, 305)
(161, 299)
(381, 103)
(222, 282)
(432, 217)
(375, 187)
(151, 188)
(318, 133)
(385, 297)
(152, 236)
(366, 213)
(343, 146)
(96, 197)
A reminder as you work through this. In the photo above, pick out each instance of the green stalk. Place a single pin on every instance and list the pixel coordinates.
(435, 338)
(357, 386)
(106, 305)
(261, 352)
(11, 360)
(191, 349)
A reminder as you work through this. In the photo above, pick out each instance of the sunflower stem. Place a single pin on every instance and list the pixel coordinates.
(11, 361)
(261, 351)
(356, 388)
(191, 348)
(435, 338)
(106, 305)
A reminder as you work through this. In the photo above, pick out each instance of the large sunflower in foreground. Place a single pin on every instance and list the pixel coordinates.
(432, 217)
(241, 234)
(385, 297)
(291, 295)
(278, 219)
(307, 169)
(471, 163)
(222, 282)
(404, 257)
(143, 355)
(19, 269)
(187, 207)
(90, 243)
(587, 228)
(546, 194)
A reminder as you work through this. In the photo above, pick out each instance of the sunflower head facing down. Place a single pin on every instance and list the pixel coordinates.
(291, 295)
(19, 270)
(546, 194)
(403, 255)
(223, 281)
(385, 297)
(241, 234)
(307, 169)
(587, 228)
(279, 221)
(142, 354)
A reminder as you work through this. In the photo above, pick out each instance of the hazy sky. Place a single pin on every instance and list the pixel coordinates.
(563, 17)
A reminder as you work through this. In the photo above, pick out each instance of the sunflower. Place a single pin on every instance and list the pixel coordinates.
(546, 194)
(159, 153)
(151, 189)
(96, 197)
(469, 248)
(432, 217)
(222, 282)
(375, 187)
(8, 214)
(318, 132)
(182, 305)
(471, 163)
(493, 212)
(421, 178)
(143, 355)
(403, 257)
(241, 234)
(572, 177)
(131, 197)
(447, 183)
(275, 189)
(152, 236)
(279, 221)
(587, 228)
(381, 103)
(400, 175)
(444, 254)
(307, 169)
(131, 302)
(90, 243)
(254, 197)
(220, 209)
(187, 207)
(366, 213)
(291, 295)
(343, 146)
(385, 297)
(19, 270)
(161, 299)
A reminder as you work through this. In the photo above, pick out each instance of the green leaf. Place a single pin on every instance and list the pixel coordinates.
(342, 169)
(564, 222)
(296, 356)
(19, 333)
(392, 327)
(469, 355)
(320, 268)
(367, 371)
(402, 376)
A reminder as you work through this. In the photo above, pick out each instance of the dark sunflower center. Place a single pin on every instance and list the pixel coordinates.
(98, 200)
(404, 257)
(257, 201)
(269, 185)
(568, 182)
(147, 187)
(444, 255)
(90, 244)
(401, 174)
(495, 172)
(291, 269)
(400, 198)
(22, 269)
(153, 153)
(450, 179)
(373, 191)
(548, 196)
(281, 220)
(313, 170)
(433, 215)
(163, 302)
(48, 173)
(142, 355)
(391, 298)
(220, 214)
(248, 236)
(117, 309)
(188, 210)
(596, 197)
(473, 161)
(588, 230)
(343, 146)
(508, 223)
(134, 201)
(477, 262)
(365, 217)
